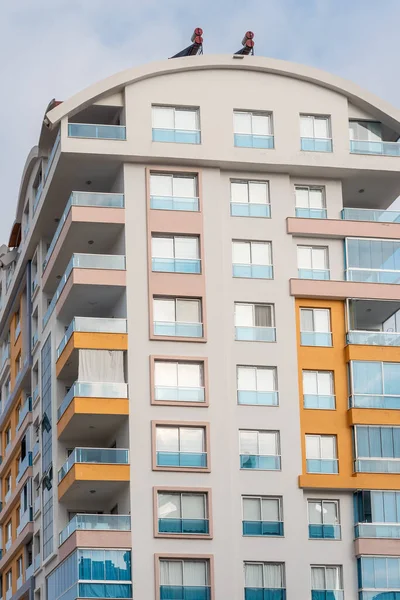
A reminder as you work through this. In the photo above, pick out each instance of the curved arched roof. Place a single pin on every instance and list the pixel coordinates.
(115, 83)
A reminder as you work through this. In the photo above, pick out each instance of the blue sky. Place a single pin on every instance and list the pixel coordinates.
(54, 48)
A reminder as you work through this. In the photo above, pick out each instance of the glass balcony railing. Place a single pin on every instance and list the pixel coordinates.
(92, 390)
(322, 465)
(314, 274)
(26, 518)
(35, 339)
(250, 209)
(252, 271)
(263, 528)
(84, 261)
(174, 203)
(100, 199)
(264, 593)
(374, 401)
(7, 496)
(260, 462)
(374, 338)
(96, 456)
(379, 594)
(91, 325)
(244, 140)
(95, 523)
(196, 460)
(35, 394)
(184, 526)
(377, 465)
(26, 408)
(315, 338)
(327, 595)
(24, 465)
(99, 132)
(180, 592)
(316, 144)
(311, 213)
(177, 136)
(370, 214)
(179, 394)
(37, 562)
(176, 265)
(29, 571)
(260, 398)
(34, 285)
(35, 450)
(5, 355)
(255, 334)
(175, 329)
(37, 505)
(373, 275)
(52, 155)
(18, 330)
(377, 530)
(378, 147)
(317, 531)
(38, 195)
(319, 401)
(8, 544)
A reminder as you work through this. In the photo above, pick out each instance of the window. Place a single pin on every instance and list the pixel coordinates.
(178, 381)
(377, 449)
(315, 327)
(267, 576)
(17, 325)
(318, 390)
(185, 574)
(315, 132)
(262, 516)
(175, 254)
(325, 578)
(7, 437)
(181, 447)
(8, 484)
(254, 322)
(176, 124)
(8, 532)
(9, 581)
(321, 454)
(260, 450)
(323, 519)
(182, 513)
(253, 129)
(310, 202)
(366, 138)
(252, 259)
(377, 514)
(312, 262)
(374, 384)
(174, 192)
(257, 385)
(177, 317)
(250, 199)
(373, 261)
(19, 567)
(379, 573)
(18, 364)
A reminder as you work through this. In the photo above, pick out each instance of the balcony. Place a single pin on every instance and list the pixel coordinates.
(86, 522)
(379, 147)
(373, 275)
(27, 408)
(176, 136)
(324, 531)
(370, 215)
(258, 398)
(314, 274)
(382, 401)
(92, 325)
(255, 334)
(24, 465)
(85, 199)
(319, 402)
(316, 144)
(372, 260)
(377, 530)
(263, 528)
(25, 519)
(90, 411)
(322, 465)
(176, 265)
(193, 460)
(174, 203)
(260, 593)
(179, 394)
(184, 526)
(180, 592)
(29, 571)
(250, 209)
(260, 462)
(104, 469)
(244, 140)
(374, 322)
(373, 338)
(252, 271)
(315, 338)
(175, 329)
(103, 264)
(377, 465)
(98, 132)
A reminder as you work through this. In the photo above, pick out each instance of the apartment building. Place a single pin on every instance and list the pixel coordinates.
(200, 333)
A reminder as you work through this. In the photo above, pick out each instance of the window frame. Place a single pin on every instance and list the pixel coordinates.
(312, 248)
(279, 500)
(321, 436)
(322, 501)
(184, 425)
(268, 114)
(263, 564)
(206, 492)
(325, 567)
(258, 432)
(207, 558)
(201, 361)
(319, 117)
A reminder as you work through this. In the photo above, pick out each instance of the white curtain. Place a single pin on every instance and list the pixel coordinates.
(304, 260)
(161, 185)
(165, 374)
(248, 442)
(191, 439)
(171, 572)
(302, 197)
(247, 378)
(188, 311)
(319, 258)
(262, 315)
(253, 575)
(164, 310)
(268, 443)
(101, 365)
(186, 247)
(163, 118)
(193, 506)
(322, 320)
(310, 382)
(169, 506)
(312, 446)
(306, 319)
(241, 253)
(242, 122)
(330, 513)
(184, 187)
(315, 512)
(270, 509)
(273, 576)
(162, 247)
(316, 196)
(321, 127)
(251, 509)
(261, 124)
(306, 126)
(258, 192)
(261, 253)
(325, 383)
(244, 315)
(190, 375)
(328, 446)
(167, 439)
(239, 192)
(318, 578)
(186, 120)
(332, 578)
(266, 380)
(195, 573)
